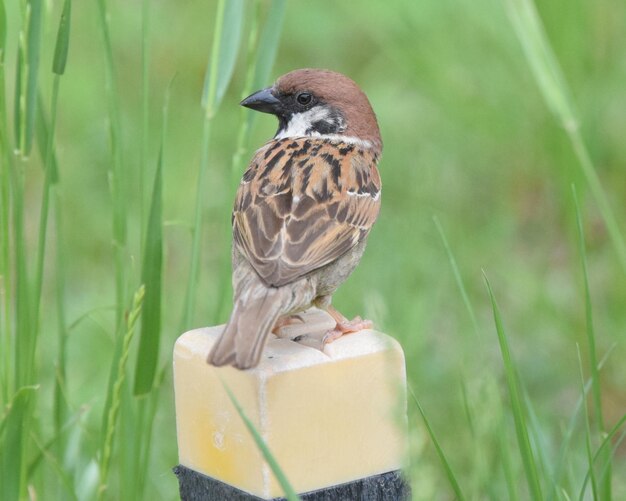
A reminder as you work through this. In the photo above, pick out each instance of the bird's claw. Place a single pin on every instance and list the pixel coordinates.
(285, 322)
(347, 327)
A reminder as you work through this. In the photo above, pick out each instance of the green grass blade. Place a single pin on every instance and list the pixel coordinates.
(29, 75)
(564, 451)
(22, 299)
(553, 86)
(125, 444)
(145, 109)
(192, 282)
(42, 134)
(118, 369)
(3, 31)
(47, 447)
(290, 493)
(118, 177)
(594, 483)
(219, 54)
(604, 446)
(12, 436)
(63, 40)
(541, 58)
(605, 492)
(50, 172)
(6, 342)
(268, 43)
(540, 444)
(466, 406)
(510, 479)
(442, 457)
(45, 201)
(149, 408)
(152, 274)
(261, 54)
(151, 277)
(61, 406)
(244, 123)
(230, 37)
(19, 107)
(61, 472)
(457, 275)
(12, 404)
(519, 413)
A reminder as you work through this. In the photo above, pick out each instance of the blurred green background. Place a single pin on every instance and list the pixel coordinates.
(469, 139)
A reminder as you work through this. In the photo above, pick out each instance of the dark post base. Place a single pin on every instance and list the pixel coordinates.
(389, 486)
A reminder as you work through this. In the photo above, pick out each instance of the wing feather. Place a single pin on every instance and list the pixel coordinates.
(304, 203)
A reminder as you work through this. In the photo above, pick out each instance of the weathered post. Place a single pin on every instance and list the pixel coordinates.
(334, 420)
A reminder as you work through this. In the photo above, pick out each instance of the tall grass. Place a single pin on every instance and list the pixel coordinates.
(115, 396)
(552, 83)
(606, 485)
(124, 437)
(85, 406)
(5, 215)
(226, 40)
(518, 407)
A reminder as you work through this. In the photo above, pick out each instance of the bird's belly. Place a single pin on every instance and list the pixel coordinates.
(331, 276)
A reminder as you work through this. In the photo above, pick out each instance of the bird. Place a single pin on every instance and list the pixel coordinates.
(303, 211)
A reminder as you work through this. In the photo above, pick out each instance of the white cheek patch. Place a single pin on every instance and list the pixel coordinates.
(300, 123)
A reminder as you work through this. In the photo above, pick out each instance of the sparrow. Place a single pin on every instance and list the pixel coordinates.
(303, 210)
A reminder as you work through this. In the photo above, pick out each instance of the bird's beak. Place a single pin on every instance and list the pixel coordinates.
(263, 101)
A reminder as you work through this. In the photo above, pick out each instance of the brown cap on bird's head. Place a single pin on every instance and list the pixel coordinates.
(348, 111)
(339, 91)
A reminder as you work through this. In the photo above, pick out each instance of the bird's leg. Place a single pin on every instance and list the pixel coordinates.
(285, 321)
(344, 326)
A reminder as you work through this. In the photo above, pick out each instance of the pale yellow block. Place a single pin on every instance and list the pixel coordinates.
(328, 417)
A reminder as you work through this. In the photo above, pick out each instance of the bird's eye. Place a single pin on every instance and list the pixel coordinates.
(304, 98)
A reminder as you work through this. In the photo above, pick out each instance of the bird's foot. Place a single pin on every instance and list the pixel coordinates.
(286, 321)
(346, 327)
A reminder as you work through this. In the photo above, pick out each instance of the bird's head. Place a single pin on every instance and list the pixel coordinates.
(318, 103)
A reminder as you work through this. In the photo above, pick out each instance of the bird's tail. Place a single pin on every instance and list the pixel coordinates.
(254, 315)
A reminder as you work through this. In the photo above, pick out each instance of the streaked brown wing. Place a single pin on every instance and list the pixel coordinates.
(302, 204)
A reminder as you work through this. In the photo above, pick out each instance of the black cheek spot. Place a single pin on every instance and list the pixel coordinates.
(324, 127)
